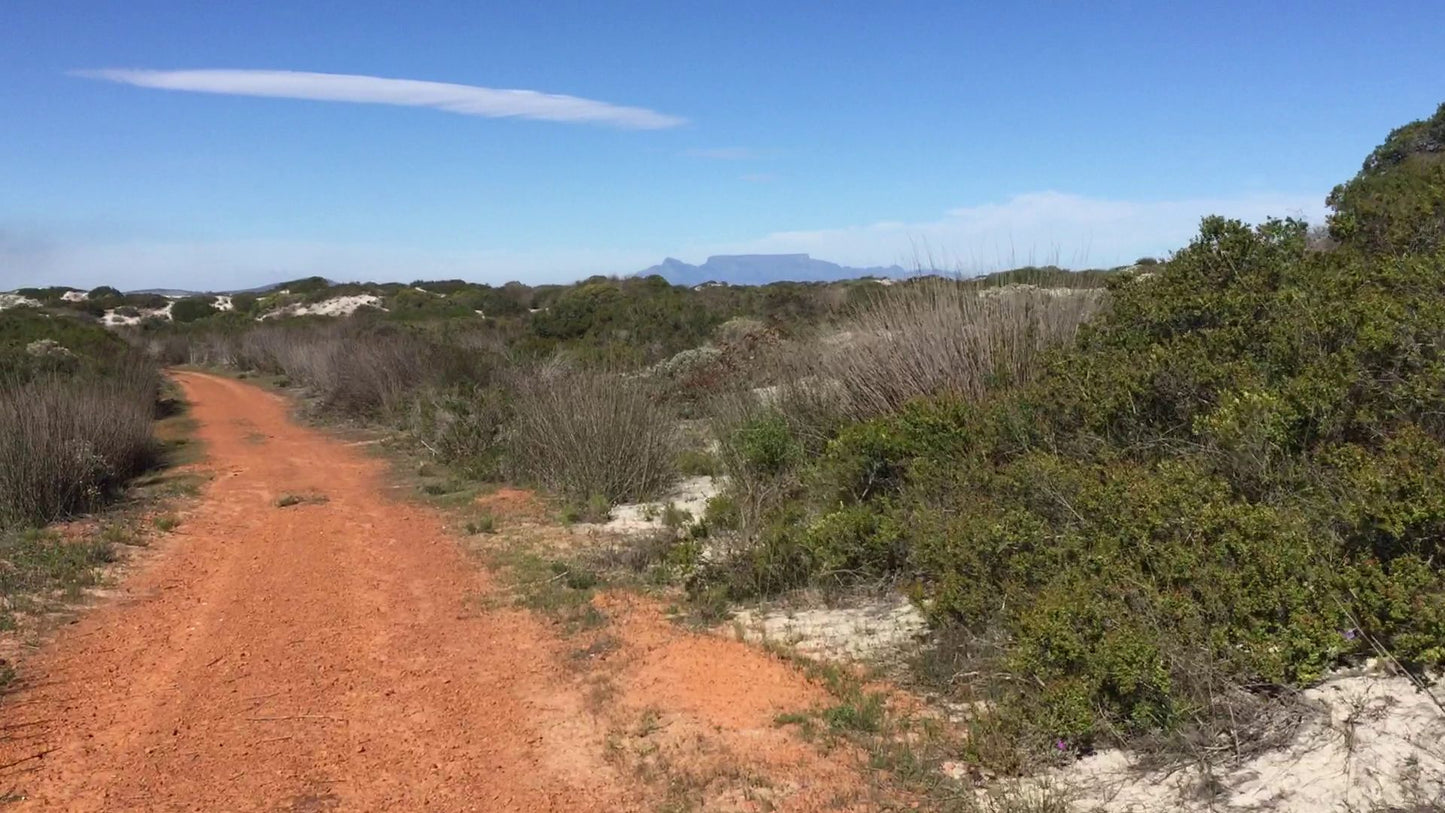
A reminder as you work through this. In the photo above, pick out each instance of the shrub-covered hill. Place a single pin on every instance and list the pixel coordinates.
(35, 342)
(1235, 478)
(612, 320)
(629, 321)
(1397, 201)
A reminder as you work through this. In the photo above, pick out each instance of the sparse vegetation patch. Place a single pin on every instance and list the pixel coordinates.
(308, 498)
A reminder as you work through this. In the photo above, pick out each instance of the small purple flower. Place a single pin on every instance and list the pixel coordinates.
(1350, 634)
(1061, 745)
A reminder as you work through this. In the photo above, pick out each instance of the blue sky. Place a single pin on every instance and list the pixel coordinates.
(984, 135)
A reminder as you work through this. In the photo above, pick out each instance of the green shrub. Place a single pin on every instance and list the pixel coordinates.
(245, 303)
(462, 426)
(674, 518)
(632, 321)
(38, 563)
(304, 286)
(483, 524)
(1396, 204)
(410, 304)
(722, 513)
(764, 446)
(192, 308)
(697, 463)
(49, 295)
(311, 498)
(82, 348)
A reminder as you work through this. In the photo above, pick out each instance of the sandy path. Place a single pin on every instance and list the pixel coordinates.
(320, 656)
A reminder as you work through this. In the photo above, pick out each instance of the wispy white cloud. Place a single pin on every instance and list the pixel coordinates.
(1042, 227)
(468, 100)
(725, 153)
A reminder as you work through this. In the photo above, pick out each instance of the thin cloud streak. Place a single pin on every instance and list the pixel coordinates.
(468, 100)
(724, 153)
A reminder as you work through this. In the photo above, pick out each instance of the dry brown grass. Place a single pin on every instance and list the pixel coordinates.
(589, 435)
(69, 442)
(937, 337)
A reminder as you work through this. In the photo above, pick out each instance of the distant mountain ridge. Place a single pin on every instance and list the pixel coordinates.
(761, 269)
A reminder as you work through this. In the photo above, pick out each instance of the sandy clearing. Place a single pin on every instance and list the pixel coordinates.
(689, 495)
(880, 629)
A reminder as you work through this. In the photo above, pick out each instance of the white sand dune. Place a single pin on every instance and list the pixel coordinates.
(1376, 743)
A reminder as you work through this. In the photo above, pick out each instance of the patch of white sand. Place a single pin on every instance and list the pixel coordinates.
(113, 319)
(869, 630)
(336, 306)
(17, 301)
(1377, 743)
(1026, 288)
(75, 296)
(690, 495)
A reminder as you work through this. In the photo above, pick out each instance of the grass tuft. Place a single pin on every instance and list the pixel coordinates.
(310, 498)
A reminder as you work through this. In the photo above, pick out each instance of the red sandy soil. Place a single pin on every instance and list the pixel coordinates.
(344, 655)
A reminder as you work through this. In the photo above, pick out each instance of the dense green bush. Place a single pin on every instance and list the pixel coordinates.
(632, 321)
(1397, 201)
(245, 303)
(46, 295)
(306, 285)
(192, 308)
(462, 425)
(78, 347)
(1237, 473)
(411, 304)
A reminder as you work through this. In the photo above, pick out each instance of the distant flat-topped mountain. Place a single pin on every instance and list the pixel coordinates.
(761, 269)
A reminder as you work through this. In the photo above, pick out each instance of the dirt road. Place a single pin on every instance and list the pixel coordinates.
(334, 655)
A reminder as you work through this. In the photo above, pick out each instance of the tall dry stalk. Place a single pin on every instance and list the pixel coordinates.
(937, 337)
(68, 442)
(590, 434)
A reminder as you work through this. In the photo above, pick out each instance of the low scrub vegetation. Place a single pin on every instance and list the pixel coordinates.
(589, 435)
(1235, 478)
(76, 413)
(1132, 504)
(936, 337)
(39, 564)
